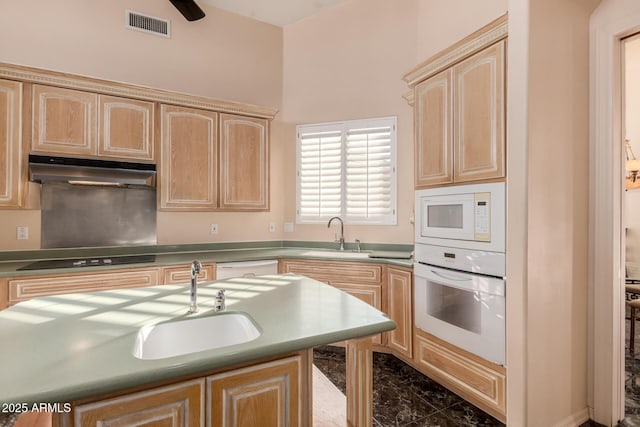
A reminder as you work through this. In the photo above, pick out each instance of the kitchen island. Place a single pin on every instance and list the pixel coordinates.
(75, 351)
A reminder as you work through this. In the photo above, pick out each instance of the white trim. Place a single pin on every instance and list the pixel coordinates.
(613, 20)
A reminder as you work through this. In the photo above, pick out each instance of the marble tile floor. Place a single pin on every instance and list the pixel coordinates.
(403, 396)
(632, 379)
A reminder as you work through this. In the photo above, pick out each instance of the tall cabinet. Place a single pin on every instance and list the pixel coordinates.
(459, 114)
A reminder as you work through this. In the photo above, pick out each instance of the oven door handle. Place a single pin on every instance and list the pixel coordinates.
(451, 277)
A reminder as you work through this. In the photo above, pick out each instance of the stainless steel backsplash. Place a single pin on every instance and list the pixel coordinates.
(76, 216)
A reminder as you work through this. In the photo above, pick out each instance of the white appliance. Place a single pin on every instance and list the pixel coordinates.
(460, 267)
(228, 270)
(464, 216)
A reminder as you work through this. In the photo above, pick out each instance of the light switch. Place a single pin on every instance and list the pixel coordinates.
(288, 227)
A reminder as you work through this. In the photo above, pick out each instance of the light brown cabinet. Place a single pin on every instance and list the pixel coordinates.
(23, 288)
(188, 159)
(432, 122)
(478, 116)
(64, 121)
(71, 122)
(182, 274)
(362, 280)
(177, 405)
(244, 163)
(270, 394)
(399, 285)
(126, 129)
(475, 379)
(274, 393)
(459, 118)
(13, 179)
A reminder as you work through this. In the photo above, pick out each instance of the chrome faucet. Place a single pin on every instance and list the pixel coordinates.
(196, 266)
(341, 230)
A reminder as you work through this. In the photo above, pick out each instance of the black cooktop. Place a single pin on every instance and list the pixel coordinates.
(88, 262)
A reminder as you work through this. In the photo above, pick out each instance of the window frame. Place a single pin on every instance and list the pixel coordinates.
(344, 127)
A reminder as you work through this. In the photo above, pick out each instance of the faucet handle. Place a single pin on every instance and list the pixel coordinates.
(358, 245)
(220, 304)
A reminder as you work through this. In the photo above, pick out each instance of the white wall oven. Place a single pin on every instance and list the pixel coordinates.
(460, 266)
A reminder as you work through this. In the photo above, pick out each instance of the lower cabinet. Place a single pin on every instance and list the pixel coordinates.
(26, 287)
(177, 405)
(270, 394)
(480, 382)
(400, 309)
(362, 280)
(264, 395)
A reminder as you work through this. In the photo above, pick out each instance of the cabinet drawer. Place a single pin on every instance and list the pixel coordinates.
(480, 382)
(24, 288)
(182, 274)
(343, 271)
(178, 405)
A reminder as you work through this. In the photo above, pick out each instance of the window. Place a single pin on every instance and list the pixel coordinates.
(347, 169)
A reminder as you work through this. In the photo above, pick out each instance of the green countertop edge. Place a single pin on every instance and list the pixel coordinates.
(41, 254)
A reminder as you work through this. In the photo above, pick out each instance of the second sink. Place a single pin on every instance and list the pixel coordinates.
(336, 254)
(192, 335)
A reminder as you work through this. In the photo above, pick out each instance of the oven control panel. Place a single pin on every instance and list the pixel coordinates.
(482, 262)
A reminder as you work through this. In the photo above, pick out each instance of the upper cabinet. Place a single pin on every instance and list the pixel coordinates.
(76, 123)
(244, 163)
(12, 165)
(126, 128)
(478, 116)
(432, 122)
(64, 121)
(459, 110)
(188, 166)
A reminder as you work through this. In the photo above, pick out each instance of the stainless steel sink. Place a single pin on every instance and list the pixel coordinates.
(192, 335)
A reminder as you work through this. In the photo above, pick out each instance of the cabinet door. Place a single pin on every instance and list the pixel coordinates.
(244, 163)
(266, 395)
(126, 129)
(433, 133)
(64, 121)
(178, 405)
(371, 294)
(13, 181)
(188, 159)
(399, 293)
(182, 274)
(479, 116)
(27, 287)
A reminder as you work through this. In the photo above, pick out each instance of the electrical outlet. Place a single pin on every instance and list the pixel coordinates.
(23, 233)
(214, 228)
(288, 227)
(272, 227)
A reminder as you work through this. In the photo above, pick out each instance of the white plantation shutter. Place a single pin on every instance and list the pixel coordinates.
(347, 169)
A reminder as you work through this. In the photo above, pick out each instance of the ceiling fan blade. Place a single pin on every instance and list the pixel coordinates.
(189, 9)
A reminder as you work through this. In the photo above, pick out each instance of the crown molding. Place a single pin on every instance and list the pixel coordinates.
(71, 81)
(486, 36)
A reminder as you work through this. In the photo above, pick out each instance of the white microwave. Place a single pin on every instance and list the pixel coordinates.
(465, 216)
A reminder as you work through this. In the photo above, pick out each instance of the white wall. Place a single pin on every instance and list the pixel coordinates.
(347, 62)
(223, 56)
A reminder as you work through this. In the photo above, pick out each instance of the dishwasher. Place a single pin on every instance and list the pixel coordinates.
(227, 270)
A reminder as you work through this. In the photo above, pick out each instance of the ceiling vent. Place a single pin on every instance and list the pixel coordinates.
(147, 24)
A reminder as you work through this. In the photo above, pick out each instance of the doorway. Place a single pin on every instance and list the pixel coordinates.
(611, 23)
(630, 232)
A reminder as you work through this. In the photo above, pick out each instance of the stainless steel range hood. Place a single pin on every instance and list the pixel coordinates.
(66, 169)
